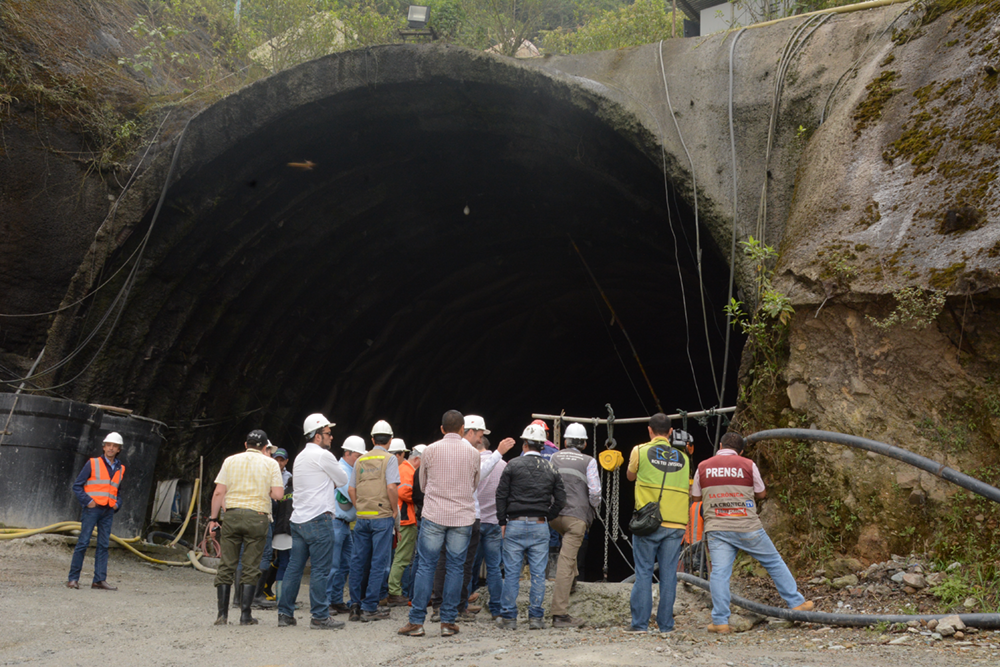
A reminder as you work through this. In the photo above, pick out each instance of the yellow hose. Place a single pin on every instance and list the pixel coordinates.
(66, 526)
(194, 497)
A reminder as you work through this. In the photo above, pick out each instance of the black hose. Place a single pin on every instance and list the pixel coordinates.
(984, 621)
(939, 469)
(168, 537)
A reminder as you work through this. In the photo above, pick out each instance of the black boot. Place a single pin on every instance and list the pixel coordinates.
(236, 585)
(259, 600)
(223, 591)
(246, 600)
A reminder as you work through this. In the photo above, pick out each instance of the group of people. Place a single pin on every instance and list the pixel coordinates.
(449, 506)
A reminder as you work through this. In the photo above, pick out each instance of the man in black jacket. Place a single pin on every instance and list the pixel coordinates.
(529, 495)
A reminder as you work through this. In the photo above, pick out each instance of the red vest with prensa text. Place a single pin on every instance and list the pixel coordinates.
(727, 494)
(102, 485)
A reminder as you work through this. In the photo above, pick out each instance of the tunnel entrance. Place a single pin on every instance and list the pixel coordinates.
(394, 251)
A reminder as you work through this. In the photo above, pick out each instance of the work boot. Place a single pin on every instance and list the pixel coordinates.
(223, 591)
(236, 585)
(339, 608)
(536, 623)
(398, 600)
(259, 600)
(246, 601)
(506, 623)
(436, 615)
(285, 621)
(376, 615)
(355, 613)
(567, 621)
(719, 629)
(327, 623)
(448, 629)
(411, 630)
(805, 606)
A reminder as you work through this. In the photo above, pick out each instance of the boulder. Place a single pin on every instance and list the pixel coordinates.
(845, 581)
(914, 580)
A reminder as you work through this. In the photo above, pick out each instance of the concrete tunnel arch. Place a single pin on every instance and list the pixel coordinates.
(363, 289)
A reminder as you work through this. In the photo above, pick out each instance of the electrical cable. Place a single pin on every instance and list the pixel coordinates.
(126, 288)
(697, 230)
(114, 209)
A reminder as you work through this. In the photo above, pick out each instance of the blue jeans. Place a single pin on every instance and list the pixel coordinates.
(663, 547)
(432, 537)
(723, 545)
(101, 517)
(409, 574)
(491, 547)
(520, 538)
(371, 557)
(343, 546)
(268, 555)
(310, 540)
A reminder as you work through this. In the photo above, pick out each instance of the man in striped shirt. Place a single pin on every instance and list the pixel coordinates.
(449, 475)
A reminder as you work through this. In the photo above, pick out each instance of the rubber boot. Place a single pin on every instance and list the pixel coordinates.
(259, 600)
(246, 600)
(223, 591)
(236, 585)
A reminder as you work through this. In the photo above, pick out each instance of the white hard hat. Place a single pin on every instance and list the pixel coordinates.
(534, 432)
(397, 445)
(271, 448)
(575, 430)
(114, 438)
(315, 422)
(418, 450)
(476, 423)
(382, 427)
(354, 443)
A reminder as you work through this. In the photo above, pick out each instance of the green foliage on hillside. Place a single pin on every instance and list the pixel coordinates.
(642, 22)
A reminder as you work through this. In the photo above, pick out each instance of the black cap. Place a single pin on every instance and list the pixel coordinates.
(257, 437)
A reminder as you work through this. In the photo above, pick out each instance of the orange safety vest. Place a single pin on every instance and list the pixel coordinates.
(696, 524)
(102, 487)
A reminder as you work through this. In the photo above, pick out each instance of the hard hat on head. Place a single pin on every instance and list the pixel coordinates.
(315, 422)
(541, 422)
(534, 432)
(577, 431)
(382, 427)
(418, 450)
(476, 423)
(354, 443)
(114, 438)
(396, 445)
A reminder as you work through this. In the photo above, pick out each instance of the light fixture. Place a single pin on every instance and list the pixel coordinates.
(417, 16)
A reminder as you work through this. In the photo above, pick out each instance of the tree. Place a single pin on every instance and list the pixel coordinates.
(643, 22)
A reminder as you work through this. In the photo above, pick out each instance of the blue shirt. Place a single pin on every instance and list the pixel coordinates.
(84, 475)
(343, 496)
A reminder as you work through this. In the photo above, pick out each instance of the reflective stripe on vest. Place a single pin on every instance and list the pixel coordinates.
(371, 492)
(102, 486)
(674, 501)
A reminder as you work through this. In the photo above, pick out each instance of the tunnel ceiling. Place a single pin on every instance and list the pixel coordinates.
(424, 263)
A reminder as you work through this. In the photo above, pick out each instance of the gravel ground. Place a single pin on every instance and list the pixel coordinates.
(163, 616)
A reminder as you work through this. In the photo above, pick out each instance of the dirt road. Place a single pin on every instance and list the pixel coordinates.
(164, 615)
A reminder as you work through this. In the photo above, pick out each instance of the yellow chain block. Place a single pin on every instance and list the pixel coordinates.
(611, 459)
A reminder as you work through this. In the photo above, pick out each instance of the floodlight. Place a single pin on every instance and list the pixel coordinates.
(417, 16)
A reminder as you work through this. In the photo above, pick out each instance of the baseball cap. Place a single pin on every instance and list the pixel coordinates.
(280, 454)
(257, 437)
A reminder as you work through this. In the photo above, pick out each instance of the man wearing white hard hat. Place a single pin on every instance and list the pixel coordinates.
(344, 515)
(317, 475)
(582, 483)
(374, 491)
(96, 487)
(407, 541)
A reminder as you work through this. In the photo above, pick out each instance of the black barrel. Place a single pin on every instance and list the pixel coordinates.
(45, 444)
(142, 443)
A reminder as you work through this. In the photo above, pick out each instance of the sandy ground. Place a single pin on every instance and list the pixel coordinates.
(163, 616)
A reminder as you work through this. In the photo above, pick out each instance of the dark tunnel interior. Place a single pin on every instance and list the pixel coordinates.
(424, 262)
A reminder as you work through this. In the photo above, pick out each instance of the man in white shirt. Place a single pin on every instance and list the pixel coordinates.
(317, 474)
